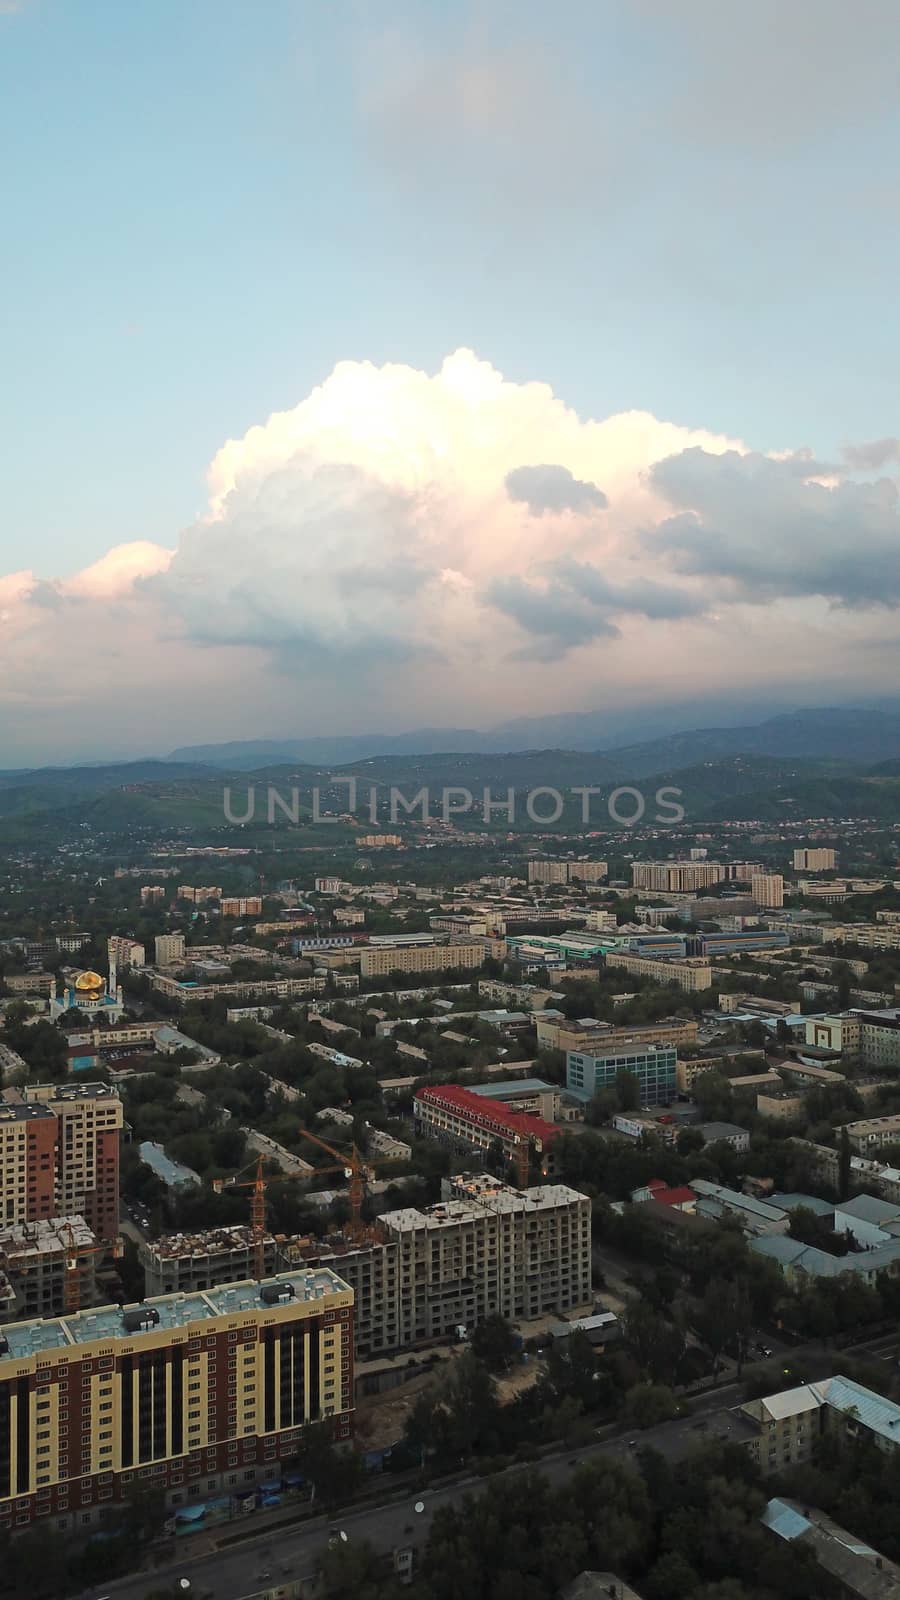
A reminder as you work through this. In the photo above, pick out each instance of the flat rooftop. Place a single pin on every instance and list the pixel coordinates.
(175, 1311)
(212, 1242)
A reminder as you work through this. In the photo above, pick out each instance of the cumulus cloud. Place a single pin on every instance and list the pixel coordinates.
(406, 547)
(772, 528)
(872, 456)
(553, 488)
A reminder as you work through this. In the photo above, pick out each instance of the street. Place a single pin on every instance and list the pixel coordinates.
(279, 1555)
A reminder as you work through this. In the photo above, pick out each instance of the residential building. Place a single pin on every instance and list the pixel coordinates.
(525, 996)
(655, 1067)
(241, 906)
(755, 1216)
(168, 947)
(857, 1571)
(30, 983)
(548, 872)
(199, 896)
(871, 1133)
(458, 1116)
(192, 1394)
(384, 1146)
(814, 860)
(789, 1423)
(692, 974)
(588, 1035)
(152, 893)
(488, 1248)
(185, 1263)
(40, 1258)
(724, 1133)
(28, 1136)
(782, 1105)
(767, 890)
(380, 962)
(679, 877)
(123, 953)
(485, 1248)
(89, 1120)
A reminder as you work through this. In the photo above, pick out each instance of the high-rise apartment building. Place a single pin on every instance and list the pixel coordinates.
(676, 877)
(152, 893)
(198, 896)
(192, 1394)
(28, 1135)
(168, 947)
(767, 890)
(88, 1121)
(567, 871)
(815, 860)
(122, 953)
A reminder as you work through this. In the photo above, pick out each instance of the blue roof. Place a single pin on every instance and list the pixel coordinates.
(784, 1520)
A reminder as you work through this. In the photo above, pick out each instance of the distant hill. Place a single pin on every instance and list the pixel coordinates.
(850, 736)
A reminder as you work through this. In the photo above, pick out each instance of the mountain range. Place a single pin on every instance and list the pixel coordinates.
(854, 735)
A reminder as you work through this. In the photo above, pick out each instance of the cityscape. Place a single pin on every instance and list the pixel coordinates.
(450, 801)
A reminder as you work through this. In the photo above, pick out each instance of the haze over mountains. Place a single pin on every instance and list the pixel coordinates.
(855, 736)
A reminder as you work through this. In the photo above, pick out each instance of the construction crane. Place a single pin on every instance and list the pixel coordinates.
(75, 1255)
(257, 1209)
(356, 1171)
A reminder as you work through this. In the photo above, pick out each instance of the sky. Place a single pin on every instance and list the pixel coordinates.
(418, 364)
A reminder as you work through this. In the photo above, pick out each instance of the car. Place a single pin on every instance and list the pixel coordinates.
(632, 1444)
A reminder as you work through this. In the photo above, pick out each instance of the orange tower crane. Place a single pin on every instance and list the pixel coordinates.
(257, 1209)
(75, 1254)
(356, 1171)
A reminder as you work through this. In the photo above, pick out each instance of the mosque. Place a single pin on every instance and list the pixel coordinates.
(90, 996)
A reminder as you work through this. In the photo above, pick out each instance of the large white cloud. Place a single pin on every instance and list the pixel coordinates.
(404, 547)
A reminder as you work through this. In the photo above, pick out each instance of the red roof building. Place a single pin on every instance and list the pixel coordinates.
(449, 1111)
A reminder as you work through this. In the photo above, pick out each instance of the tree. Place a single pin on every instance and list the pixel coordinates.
(458, 1416)
(844, 1166)
(494, 1341)
(648, 1404)
(656, 1343)
(628, 1090)
(332, 1474)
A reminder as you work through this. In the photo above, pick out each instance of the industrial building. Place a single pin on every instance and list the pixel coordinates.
(191, 1394)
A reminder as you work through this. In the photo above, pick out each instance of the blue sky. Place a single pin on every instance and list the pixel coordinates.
(643, 204)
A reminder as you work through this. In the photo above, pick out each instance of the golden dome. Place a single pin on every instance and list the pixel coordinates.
(88, 982)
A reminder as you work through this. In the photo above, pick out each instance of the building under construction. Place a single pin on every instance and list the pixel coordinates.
(487, 1247)
(188, 1263)
(50, 1264)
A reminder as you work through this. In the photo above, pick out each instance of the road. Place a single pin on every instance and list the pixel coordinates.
(278, 1555)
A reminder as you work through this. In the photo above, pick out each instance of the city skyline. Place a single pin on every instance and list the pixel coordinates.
(555, 396)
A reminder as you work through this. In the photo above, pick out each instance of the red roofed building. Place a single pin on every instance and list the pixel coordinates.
(450, 1112)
